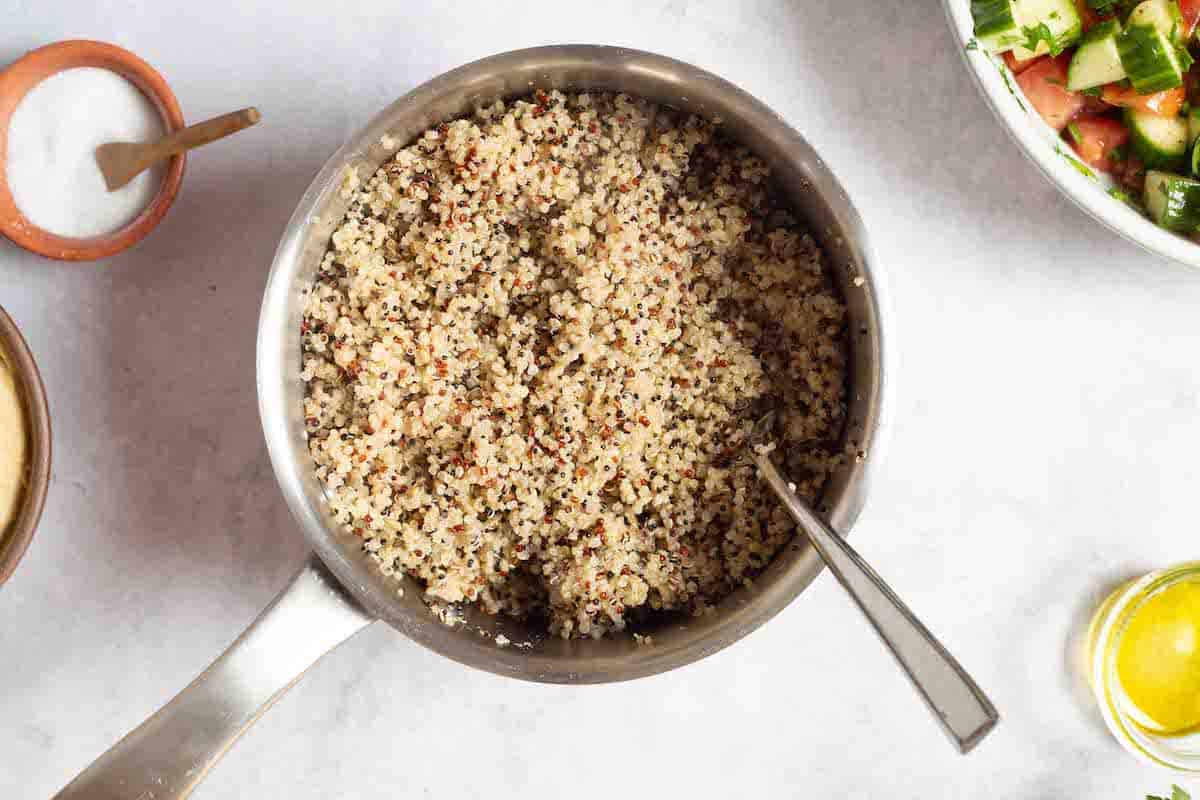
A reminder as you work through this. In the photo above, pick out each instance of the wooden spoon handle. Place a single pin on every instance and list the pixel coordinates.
(204, 132)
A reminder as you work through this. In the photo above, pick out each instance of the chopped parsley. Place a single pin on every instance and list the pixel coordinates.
(1185, 58)
(1118, 194)
(1132, 203)
(1080, 167)
(1006, 76)
(1176, 794)
(973, 44)
(1073, 129)
(1117, 154)
(1177, 38)
(1035, 34)
(1095, 91)
(1102, 5)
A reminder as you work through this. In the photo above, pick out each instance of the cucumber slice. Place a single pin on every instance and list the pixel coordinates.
(1195, 159)
(1160, 142)
(996, 27)
(1097, 61)
(1162, 14)
(1003, 25)
(1060, 18)
(1173, 201)
(1149, 57)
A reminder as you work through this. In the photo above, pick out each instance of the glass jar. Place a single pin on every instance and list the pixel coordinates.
(1144, 666)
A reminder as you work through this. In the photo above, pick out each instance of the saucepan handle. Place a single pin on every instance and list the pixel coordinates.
(169, 754)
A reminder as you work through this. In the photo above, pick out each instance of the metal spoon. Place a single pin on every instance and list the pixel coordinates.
(964, 711)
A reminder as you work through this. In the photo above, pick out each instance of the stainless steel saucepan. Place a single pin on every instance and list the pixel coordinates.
(339, 591)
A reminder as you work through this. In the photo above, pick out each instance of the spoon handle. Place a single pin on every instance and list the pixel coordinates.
(204, 132)
(963, 710)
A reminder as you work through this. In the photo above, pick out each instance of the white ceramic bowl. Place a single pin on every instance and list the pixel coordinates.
(1053, 156)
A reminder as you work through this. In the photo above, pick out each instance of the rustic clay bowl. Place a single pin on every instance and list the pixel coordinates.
(16, 355)
(32, 69)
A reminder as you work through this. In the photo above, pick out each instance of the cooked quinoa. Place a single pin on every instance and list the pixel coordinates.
(537, 345)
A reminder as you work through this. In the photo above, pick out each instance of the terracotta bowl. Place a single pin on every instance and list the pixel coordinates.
(33, 68)
(15, 353)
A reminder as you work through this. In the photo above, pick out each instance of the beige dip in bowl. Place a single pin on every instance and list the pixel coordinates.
(13, 445)
(24, 446)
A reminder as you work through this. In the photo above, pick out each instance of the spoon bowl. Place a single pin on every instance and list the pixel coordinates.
(121, 162)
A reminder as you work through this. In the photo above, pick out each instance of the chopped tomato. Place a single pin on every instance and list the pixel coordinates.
(1089, 17)
(1191, 15)
(1191, 81)
(1097, 137)
(1165, 103)
(1045, 86)
(1132, 175)
(1018, 66)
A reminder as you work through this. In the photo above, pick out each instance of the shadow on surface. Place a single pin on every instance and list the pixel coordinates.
(1075, 650)
(908, 109)
(198, 496)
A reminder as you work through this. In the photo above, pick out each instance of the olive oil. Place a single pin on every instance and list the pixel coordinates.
(1158, 660)
(1144, 666)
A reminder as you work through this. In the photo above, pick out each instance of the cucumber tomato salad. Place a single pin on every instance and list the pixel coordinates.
(1117, 79)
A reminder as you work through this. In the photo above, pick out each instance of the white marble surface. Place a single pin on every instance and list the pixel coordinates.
(1047, 403)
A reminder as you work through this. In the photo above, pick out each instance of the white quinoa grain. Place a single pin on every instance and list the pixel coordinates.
(539, 340)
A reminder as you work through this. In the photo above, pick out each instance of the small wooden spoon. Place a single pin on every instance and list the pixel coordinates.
(121, 162)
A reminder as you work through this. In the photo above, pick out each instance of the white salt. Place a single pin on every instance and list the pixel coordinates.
(52, 141)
